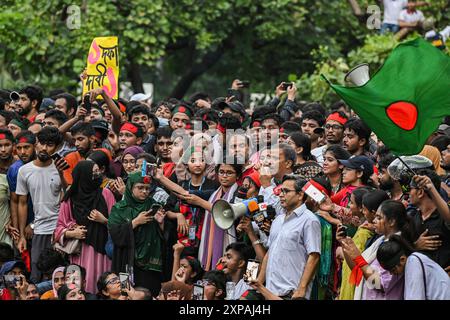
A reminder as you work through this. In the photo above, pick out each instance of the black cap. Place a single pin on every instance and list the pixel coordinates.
(359, 163)
(235, 106)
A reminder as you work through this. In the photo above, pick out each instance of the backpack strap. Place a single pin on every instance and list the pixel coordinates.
(424, 277)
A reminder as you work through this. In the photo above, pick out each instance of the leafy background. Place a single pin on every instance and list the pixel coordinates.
(183, 46)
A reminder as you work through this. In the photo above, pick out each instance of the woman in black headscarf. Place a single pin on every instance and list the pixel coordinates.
(83, 215)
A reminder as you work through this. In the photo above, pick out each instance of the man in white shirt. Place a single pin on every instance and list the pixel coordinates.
(43, 180)
(290, 264)
(392, 9)
(410, 17)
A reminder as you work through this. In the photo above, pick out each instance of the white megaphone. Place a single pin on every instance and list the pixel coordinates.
(224, 213)
(358, 76)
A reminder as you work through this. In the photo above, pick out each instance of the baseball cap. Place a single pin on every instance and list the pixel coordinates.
(100, 126)
(140, 97)
(235, 106)
(46, 104)
(362, 163)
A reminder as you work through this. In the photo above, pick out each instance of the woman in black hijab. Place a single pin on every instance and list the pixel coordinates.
(83, 215)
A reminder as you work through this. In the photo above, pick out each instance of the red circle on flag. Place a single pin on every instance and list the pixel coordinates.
(403, 114)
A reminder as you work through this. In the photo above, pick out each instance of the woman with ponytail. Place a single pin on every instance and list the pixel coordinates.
(424, 278)
(371, 280)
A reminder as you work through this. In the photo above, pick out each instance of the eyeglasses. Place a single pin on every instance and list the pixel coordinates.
(205, 283)
(112, 281)
(226, 173)
(335, 127)
(286, 191)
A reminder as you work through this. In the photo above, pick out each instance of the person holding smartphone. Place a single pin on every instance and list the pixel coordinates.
(138, 236)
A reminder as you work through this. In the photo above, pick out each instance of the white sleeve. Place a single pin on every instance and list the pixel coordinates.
(270, 198)
(421, 16)
(445, 33)
(402, 16)
(22, 187)
(414, 287)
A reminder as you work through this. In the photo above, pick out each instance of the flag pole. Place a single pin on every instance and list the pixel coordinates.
(404, 163)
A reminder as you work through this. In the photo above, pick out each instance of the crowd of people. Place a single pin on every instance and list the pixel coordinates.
(113, 199)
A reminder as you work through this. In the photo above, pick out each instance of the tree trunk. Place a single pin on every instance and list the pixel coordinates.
(134, 75)
(196, 70)
(355, 7)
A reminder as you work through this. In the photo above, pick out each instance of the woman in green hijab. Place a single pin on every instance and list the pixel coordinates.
(138, 235)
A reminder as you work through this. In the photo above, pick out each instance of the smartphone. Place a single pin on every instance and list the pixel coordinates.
(343, 231)
(314, 193)
(286, 85)
(245, 84)
(252, 270)
(198, 292)
(56, 156)
(154, 209)
(11, 281)
(87, 103)
(124, 282)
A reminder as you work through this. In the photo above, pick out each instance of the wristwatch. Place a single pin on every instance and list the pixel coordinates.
(256, 242)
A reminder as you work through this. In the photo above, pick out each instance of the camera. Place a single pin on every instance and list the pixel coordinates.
(286, 85)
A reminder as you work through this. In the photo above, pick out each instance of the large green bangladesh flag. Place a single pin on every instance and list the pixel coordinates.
(406, 100)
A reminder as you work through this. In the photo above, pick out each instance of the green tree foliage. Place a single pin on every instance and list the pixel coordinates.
(188, 45)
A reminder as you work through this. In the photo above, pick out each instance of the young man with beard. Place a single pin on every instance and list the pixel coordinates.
(290, 264)
(25, 142)
(84, 135)
(356, 138)
(334, 133)
(6, 150)
(43, 180)
(387, 183)
(66, 103)
(29, 102)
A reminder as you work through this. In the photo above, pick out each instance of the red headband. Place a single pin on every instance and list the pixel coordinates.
(318, 186)
(2, 136)
(336, 117)
(23, 140)
(129, 127)
(256, 124)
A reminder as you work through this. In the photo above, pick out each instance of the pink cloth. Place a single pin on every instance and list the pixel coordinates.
(95, 263)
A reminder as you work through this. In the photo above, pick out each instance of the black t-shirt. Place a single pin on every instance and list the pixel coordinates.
(207, 189)
(436, 225)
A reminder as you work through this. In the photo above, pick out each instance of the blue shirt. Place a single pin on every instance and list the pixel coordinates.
(11, 175)
(291, 241)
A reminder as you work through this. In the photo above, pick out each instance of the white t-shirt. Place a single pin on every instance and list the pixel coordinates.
(411, 17)
(44, 187)
(392, 9)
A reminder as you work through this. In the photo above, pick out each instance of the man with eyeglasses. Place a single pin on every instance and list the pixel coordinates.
(290, 264)
(334, 133)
